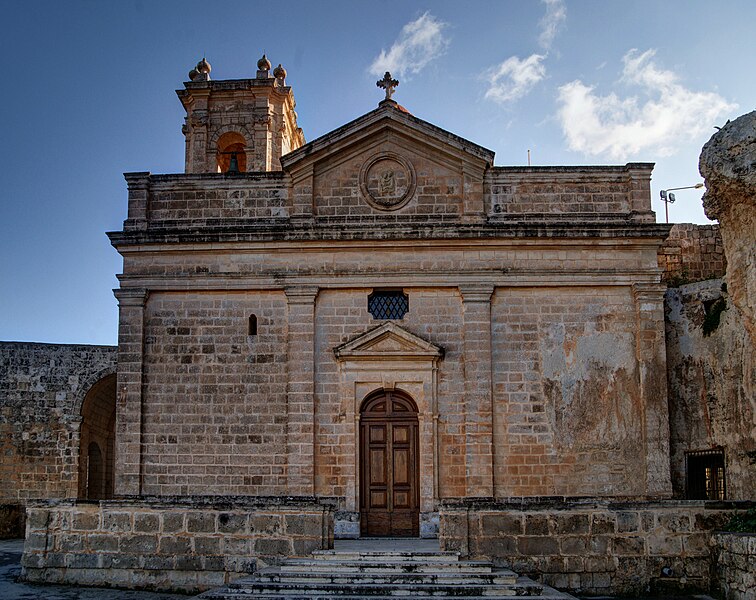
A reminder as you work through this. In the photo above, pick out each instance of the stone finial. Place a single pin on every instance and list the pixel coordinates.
(201, 72)
(280, 74)
(263, 67)
(388, 84)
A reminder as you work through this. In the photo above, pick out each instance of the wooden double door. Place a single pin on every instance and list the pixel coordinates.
(389, 466)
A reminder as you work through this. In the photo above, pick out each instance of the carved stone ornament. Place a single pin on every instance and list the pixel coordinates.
(387, 181)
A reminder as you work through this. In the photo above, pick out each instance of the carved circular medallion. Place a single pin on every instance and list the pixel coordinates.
(387, 181)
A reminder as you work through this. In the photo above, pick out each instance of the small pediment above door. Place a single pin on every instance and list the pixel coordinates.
(388, 341)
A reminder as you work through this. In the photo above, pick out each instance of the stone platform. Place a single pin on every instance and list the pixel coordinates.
(383, 568)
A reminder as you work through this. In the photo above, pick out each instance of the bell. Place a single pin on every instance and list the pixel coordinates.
(233, 165)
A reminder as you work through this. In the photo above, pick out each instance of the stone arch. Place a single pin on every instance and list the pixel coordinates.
(97, 440)
(378, 393)
(227, 139)
(87, 383)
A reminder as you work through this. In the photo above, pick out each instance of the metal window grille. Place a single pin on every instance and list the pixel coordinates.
(388, 305)
(706, 475)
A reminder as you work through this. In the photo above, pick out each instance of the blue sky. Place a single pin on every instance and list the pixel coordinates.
(88, 93)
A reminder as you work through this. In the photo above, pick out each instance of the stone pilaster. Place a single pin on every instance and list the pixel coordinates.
(652, 367)
(473, 202)
(300, 395)
(476, 314)
(139, 199)
(128, 451)
(639, 184)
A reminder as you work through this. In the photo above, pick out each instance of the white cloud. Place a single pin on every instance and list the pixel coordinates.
(663, 114)
(552, 22)
(514, 78)
(419, 42)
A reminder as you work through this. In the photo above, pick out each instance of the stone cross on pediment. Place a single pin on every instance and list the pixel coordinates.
(388, 84)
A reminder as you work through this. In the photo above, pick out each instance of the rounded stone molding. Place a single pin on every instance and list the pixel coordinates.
(387, 181)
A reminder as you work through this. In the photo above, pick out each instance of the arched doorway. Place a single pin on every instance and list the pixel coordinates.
(97, 440)
(389, 466)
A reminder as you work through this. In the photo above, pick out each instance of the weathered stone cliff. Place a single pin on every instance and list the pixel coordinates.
(711, 368)
(728, 164)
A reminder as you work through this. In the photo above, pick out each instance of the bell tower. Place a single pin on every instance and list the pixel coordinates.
(238, 125)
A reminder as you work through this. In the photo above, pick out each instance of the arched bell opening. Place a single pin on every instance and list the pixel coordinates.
(97, 440)
(389, 465)
(232, 153)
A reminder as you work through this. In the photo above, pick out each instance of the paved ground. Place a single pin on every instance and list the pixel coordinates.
(11, 589)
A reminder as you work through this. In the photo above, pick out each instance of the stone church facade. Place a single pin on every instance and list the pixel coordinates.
(384, 333)
(516, 314)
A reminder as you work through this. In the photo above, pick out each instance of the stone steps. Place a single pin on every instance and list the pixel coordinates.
(387, 578)
(296, 565)
(382, 575)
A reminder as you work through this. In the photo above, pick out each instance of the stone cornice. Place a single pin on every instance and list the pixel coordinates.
(282, 231)
(131, 296)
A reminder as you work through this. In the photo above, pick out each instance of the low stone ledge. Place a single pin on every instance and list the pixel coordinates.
(589, 545)
(186, 544)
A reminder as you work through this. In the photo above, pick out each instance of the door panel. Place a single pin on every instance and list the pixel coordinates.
(377, 467)
(401, 434)
(389, 474)
(401, 468)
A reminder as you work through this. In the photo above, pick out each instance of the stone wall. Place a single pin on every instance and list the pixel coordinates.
(735, 566)
(692, 253)
(42, 388)
(712, 384)
(181, 200)
(215, 416)
(592, 547)
(538, 193)
(229, 386)
(594, 193)
(168, 544)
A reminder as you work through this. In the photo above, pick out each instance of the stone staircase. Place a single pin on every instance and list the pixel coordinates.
(373, 570)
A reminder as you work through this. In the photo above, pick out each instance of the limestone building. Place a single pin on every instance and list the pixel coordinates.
(381, 333)
(384, 317)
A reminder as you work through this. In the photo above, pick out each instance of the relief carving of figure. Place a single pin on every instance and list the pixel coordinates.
(387, 183)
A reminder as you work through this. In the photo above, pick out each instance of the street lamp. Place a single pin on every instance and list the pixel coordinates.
(668, 198)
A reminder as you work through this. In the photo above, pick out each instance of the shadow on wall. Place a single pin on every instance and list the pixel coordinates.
(97, 440)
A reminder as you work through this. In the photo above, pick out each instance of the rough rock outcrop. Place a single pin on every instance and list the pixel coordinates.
(728, 165)
(711, 375)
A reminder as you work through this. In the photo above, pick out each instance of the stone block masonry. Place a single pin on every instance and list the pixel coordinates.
(42, 389)
(735, 566)
(692, 253)
(592, 546)
(184, 544)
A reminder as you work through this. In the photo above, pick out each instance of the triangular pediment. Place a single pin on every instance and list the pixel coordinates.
(388, 118)
(388, 341)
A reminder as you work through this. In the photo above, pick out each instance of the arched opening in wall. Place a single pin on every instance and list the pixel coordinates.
(389, 465)
(95, 473)
(97, 440)
(232, 155)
